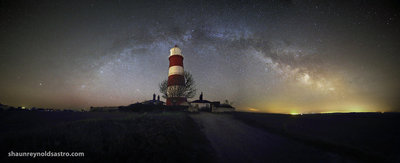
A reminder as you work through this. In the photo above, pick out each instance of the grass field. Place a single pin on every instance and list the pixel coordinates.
(176, 137)
(125, 137)
(370, 137)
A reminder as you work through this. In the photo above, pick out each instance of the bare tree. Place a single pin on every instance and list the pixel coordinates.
(188, 91)
(190, 86)
(163, 86)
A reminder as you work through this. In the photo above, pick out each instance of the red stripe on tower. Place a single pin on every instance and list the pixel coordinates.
(176, 60)
(176, 79)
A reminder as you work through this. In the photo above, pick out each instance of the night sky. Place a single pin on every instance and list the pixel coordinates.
(278, 56)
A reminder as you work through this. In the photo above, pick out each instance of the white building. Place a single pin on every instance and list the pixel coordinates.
(205, 105)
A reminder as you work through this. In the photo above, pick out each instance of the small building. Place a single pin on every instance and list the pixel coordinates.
(200, 104)
(205, 105)
(154, 101)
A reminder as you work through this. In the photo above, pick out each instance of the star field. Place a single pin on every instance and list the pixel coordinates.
(275, 56)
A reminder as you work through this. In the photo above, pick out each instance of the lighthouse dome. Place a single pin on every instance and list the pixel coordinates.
(175, 51)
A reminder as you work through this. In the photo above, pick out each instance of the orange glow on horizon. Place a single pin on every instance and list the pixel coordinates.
(285, 108)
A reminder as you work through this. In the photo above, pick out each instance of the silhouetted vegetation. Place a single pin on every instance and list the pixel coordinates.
(189, 91)
(150, 108)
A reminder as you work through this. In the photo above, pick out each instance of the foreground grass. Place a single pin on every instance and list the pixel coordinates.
(149, 137)
(368, 137)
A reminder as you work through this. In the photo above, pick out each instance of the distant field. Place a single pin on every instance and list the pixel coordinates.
(126, 137)
(365, 136)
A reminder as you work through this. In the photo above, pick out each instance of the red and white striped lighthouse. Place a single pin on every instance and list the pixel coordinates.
(176, 79)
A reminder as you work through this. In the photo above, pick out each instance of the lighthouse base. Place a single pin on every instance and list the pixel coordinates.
(171, 101)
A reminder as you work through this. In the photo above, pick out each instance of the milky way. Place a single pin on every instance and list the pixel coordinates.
(277, 56)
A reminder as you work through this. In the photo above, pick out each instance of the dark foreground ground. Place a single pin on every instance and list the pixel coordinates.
(105, 137)
(364, 137)
(235, 141)
(203, 137)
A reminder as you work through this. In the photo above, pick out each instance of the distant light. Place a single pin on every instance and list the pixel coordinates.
(252, 109)
(296, 114)
(23, 107)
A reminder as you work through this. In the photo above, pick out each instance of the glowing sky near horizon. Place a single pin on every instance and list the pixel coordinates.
(278, 56)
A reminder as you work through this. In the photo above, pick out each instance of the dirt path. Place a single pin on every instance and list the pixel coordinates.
(235, 141)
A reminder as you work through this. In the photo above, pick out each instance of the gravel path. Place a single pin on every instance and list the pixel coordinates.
(235, 141)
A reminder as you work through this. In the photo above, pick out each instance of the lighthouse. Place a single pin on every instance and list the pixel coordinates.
(176, 79)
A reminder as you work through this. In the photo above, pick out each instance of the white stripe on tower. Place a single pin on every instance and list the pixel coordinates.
(175, 70)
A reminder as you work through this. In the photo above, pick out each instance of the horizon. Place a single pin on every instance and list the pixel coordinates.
(247, 111)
